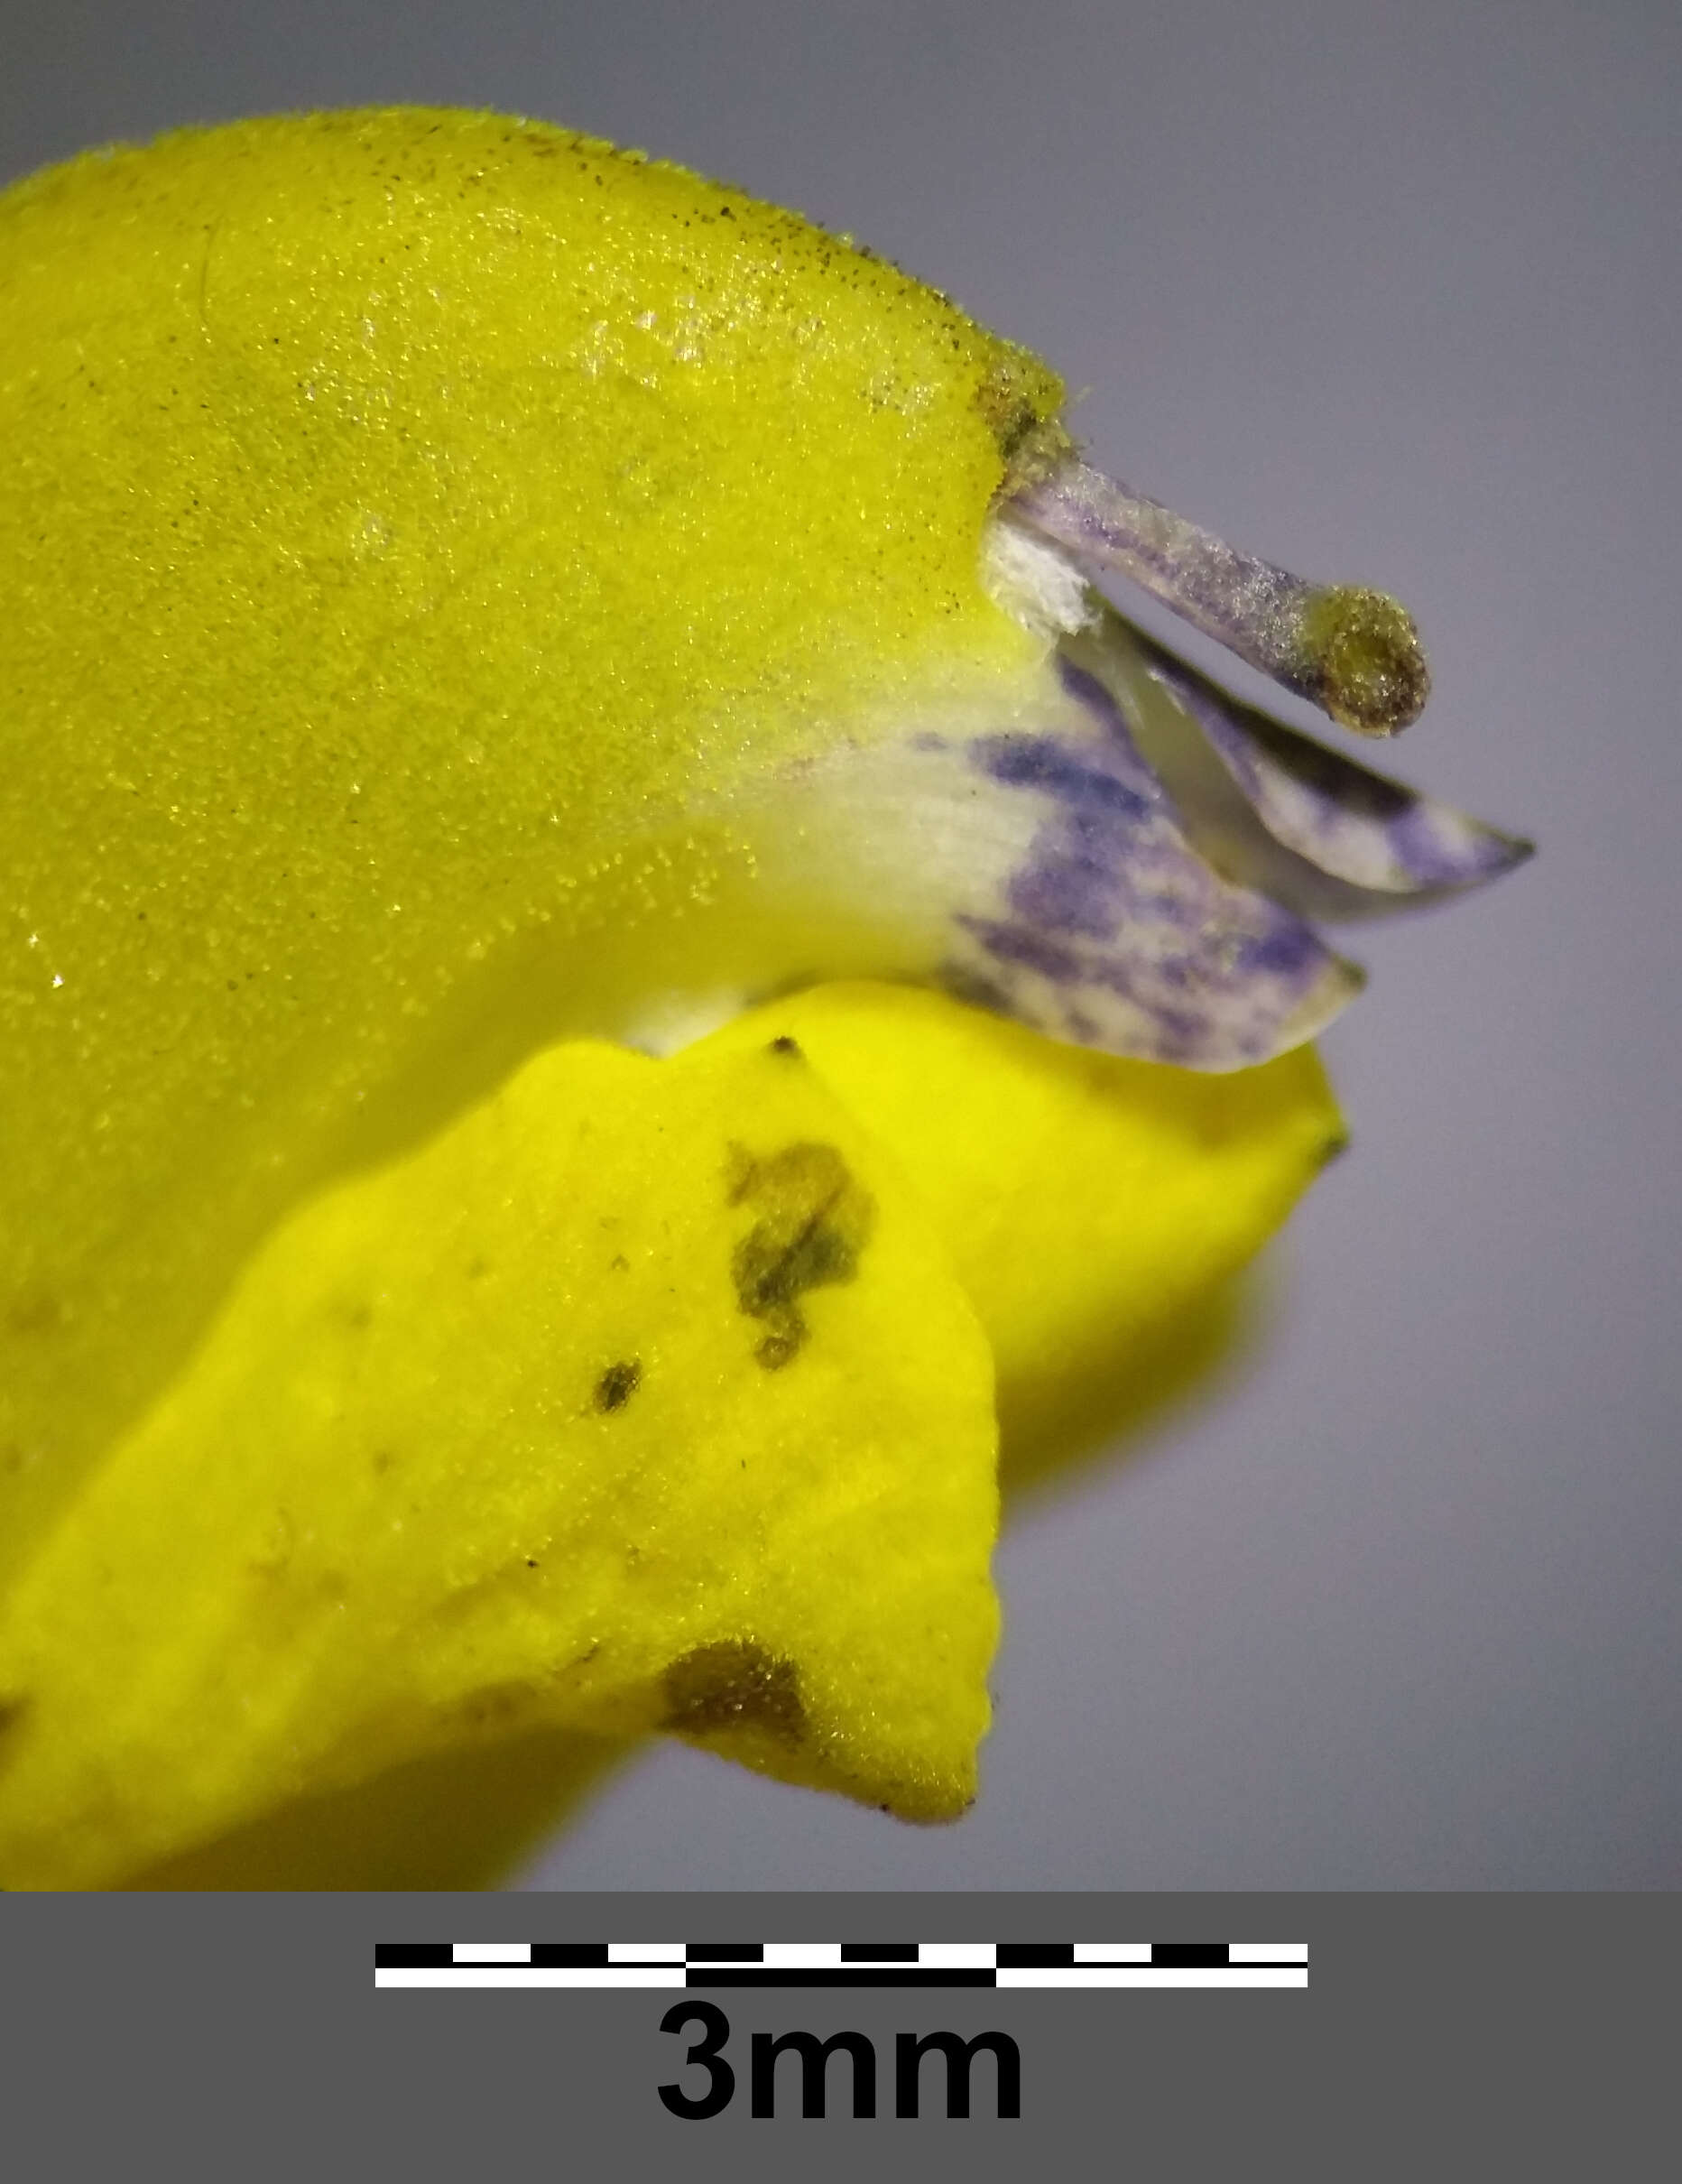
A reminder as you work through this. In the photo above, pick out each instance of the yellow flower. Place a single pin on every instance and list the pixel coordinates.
(476, 595)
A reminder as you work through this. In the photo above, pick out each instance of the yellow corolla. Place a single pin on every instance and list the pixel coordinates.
(479, 604)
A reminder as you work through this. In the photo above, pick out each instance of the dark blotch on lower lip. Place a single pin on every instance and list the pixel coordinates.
(617, 1384)
(814, 1219)
(734, 1684)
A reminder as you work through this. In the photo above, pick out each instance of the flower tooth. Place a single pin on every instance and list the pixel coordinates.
(1352, 651)
(1035, 581)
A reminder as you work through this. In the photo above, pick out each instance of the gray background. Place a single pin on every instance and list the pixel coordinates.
(1388, 292)
(238, 2037)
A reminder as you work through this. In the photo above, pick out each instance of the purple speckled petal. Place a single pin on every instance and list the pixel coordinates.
(1098, 843)
(1026, 857)
(1386, 845)
(1111, 931)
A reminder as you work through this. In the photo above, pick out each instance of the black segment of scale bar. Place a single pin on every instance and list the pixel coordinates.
(413, 1956)
(1034, 1956)
(879, 1952)
(1188, 1956)
(569, 1955)
(843, 1976)
(724, 1952)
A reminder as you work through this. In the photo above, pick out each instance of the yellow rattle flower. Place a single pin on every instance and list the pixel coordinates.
(607, 956)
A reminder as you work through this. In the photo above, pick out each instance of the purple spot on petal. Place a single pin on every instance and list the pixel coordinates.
(1438, 848)
(1021, 944)
(1042, 762)
(1074, 878)
(1068, 893)
(1286, 950)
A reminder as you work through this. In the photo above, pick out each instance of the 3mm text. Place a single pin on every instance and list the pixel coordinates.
(814, 2056)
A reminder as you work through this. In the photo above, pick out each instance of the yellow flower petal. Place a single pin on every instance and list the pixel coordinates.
(486, 672)
(395, 555)
(643, 1397)
(457, 1818)
(1087, 1202)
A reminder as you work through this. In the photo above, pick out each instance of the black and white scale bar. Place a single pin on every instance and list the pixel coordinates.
(841, 1964)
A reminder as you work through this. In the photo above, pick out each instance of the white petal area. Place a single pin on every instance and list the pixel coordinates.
(1027, 859)
(1035, 581)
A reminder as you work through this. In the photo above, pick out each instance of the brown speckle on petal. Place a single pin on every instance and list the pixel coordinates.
(814, 1220)
(618, 1383)
(13, 1711)
(734, 1684)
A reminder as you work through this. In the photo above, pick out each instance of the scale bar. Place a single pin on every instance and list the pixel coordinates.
(1014, 1964)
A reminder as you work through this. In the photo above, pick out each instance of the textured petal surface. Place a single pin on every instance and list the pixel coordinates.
(490, 676)
(643, 1398)
(1090, 1206)
(1086, 1202)
(393, 543)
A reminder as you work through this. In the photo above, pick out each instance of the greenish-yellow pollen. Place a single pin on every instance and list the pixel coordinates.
(1363, 654)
